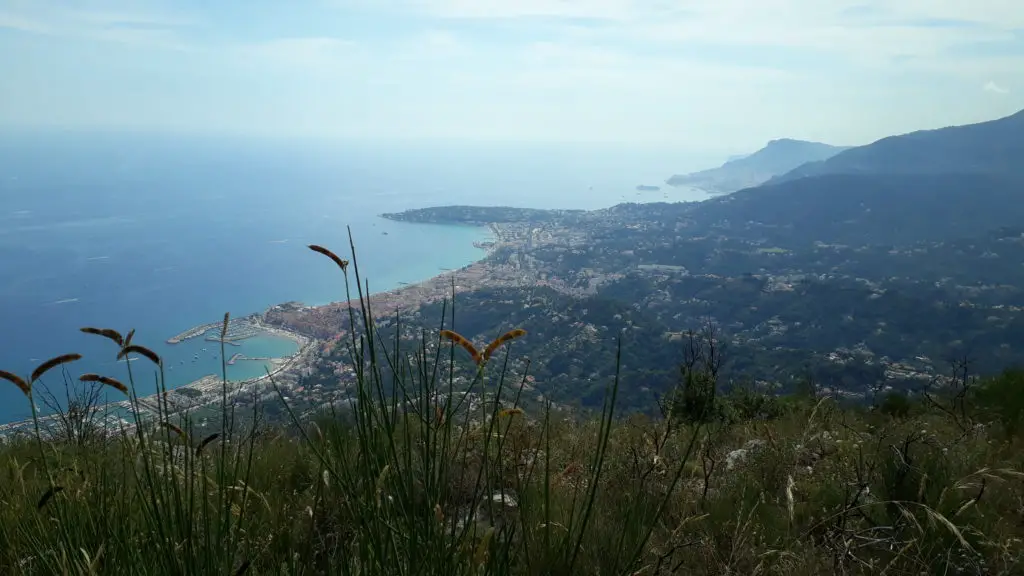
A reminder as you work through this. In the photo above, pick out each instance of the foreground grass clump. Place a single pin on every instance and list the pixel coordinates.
(421, 477)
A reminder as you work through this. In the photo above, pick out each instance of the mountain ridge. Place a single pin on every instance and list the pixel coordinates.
(989, 147)
(777, 157)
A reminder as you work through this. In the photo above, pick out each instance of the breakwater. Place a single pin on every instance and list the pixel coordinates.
(239, 356)
(193, 333)
(238, 329)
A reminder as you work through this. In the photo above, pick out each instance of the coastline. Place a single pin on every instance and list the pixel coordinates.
(327, 321)
(207, 390)
(404, 296)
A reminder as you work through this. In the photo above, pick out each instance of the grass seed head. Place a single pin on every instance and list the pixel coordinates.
(462, 341)
(342, 263)
(141, 351)
(53, 363)
(506, 337)
(17, 381)
(108, 333)
(104, 380)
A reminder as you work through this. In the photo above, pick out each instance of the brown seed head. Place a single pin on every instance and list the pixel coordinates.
(104, 380)
(128, 338)
(462, 341)
(207, 440)
(343, 264)
(17, 381)
(53, 363)
(47, 495)
(173, 428)
(224, 327)
(507, 336)
(141, 351)
(109, 333)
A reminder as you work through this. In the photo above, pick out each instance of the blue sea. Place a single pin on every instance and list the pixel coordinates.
(164, 232)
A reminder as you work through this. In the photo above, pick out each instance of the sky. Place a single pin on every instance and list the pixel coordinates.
(718, 74)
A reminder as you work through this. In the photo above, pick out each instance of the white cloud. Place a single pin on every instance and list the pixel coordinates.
(868, 32)
(719, 72)
(317, 53)
(108, 21)
(595, 9)
(798, 13)
(991, 86)
(15, 21)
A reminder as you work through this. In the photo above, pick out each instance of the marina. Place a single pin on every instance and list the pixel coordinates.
(238, 329)
(239, 356)
(193, 333)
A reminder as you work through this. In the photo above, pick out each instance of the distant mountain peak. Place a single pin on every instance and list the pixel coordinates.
(777, 157)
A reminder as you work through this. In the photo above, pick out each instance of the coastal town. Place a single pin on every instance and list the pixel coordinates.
(671, 269)
(206, 392)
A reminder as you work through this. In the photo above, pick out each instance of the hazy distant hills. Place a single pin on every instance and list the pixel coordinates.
(995, 147)
(924, 186)
(776, 158)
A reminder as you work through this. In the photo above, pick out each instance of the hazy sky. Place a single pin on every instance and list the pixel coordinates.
(724, 74)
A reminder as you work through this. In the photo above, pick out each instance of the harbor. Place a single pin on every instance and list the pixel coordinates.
(239, 356)
(238, 329)
(193, 333)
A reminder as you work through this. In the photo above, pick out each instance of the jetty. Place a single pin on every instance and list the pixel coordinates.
(193, 333)
(238, 329)
(240, 356)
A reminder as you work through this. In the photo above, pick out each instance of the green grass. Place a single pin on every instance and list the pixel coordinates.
(424, 477)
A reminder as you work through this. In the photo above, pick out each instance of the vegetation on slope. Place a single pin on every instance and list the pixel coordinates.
(418, 476)
(994, 147)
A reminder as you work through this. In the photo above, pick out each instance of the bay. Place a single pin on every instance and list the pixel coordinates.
(164, 232)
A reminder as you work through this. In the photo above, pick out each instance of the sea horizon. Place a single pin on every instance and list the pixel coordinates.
(162, 233)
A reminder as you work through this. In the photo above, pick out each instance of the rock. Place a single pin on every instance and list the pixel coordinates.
(734, 458)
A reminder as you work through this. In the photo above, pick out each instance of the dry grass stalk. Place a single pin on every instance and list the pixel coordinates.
(140, 350)
(173, 428)
(506, 337)
(343, 264)
(53, 363)
(48, 495)
(462, 341)
(17, 381)
(109, 333)
(207, 440)
(104, 380)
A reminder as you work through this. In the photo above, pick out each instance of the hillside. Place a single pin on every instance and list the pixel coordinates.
(777, 157)
(995, 147)
(419, 477)
(871, 208)
(859, 279)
